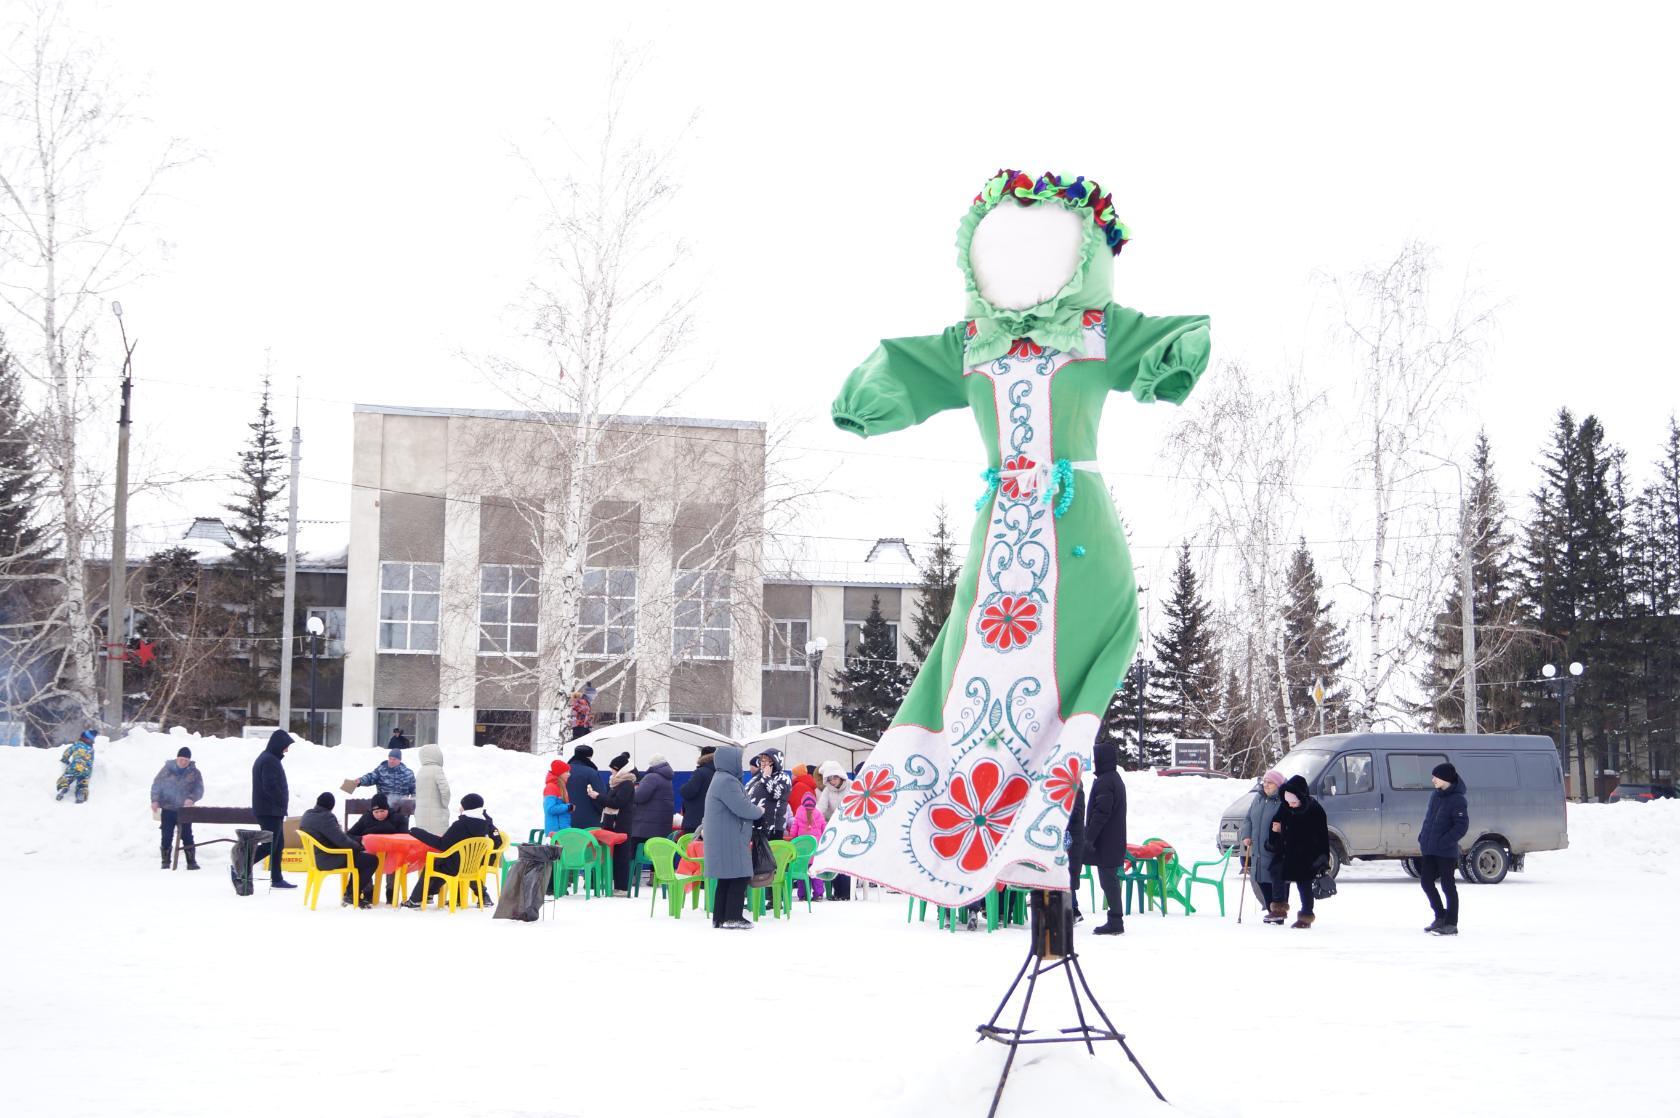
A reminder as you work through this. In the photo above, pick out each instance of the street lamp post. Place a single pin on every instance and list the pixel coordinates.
(813, 656)
(316, 627)
(1563, 686)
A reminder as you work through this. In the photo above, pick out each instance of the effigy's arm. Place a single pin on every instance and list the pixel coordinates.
(905, 381)
(1156, 358)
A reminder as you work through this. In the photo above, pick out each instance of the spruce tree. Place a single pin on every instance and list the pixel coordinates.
(938, 588)
(257, 568)
(1120, 721)
(1184, 685)
(20, 478)
(1315, 647)
(871, 686)
(25, 589)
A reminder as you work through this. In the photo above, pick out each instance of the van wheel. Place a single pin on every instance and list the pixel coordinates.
(1488, 862)
(1337, 857)
(1410, 865)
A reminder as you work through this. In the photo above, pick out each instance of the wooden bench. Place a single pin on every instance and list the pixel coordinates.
(231, 816)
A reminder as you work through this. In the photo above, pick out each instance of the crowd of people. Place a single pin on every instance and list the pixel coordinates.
(1284, 839)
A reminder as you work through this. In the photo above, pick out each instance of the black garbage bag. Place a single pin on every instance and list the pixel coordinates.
(244, 856)
(528, 882)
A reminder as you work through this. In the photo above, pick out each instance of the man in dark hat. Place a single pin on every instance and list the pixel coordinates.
(381, 819)
(177, 785)
(473, 822)
(693, 794)
(320, 824)
(584, 784)
(1444, 826)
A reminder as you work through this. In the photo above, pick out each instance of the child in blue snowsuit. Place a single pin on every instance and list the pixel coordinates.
(78, 767)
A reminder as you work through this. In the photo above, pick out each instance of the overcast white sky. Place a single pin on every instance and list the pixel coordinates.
(356, 210)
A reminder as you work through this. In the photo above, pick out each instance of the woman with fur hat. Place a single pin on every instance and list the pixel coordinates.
(693, 792)
(616, 807)
(1300, 844)
(831, 799)
(557, 804)
(1444, 826)
(1256, 828)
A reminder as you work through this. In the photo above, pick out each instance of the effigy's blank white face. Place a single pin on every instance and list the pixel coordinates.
(1022, 256)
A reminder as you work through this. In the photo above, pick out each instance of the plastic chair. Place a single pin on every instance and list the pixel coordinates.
(799, 870)
(495, 864)
(662, 855)
(312, 852)
(580, 853)
(780, 903)
(1195, 875)
(470, 854)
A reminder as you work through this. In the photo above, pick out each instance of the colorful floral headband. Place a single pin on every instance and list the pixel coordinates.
(1076, 195)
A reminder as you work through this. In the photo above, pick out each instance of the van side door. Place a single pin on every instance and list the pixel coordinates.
(1406, 799)
(1352, 804)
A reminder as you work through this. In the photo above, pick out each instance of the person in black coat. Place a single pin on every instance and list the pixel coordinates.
(1300, 843)
(1444, 826)
(473, 822)
(269, 798)
(584, 784)
(1076, 847)
(320, 824)
(693, 794)
(616, 808)
(1105, 833)
(381, 819)
(655, 802)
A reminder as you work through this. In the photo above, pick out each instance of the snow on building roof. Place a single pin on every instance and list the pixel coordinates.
(888, 561)
(322, 544)
(500, 413)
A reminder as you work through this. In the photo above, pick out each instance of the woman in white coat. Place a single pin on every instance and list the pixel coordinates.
(431, 793)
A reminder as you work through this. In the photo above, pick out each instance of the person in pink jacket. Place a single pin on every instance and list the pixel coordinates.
(807, 820)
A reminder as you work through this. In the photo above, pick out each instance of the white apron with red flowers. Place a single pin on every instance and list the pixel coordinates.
(945, 812)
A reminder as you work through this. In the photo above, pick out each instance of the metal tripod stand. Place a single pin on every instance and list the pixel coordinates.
(1052, 949)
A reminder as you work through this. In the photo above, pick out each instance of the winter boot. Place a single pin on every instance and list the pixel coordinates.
(165, 860)
(1115, 925)
(1305, 920)
(1445, 929)
(1276, 913)
(192, 857)
(1434, 925)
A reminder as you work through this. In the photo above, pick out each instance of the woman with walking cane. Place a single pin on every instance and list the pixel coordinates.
(1257, 824)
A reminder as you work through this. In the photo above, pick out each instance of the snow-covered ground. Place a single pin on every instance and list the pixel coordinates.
(128, 990)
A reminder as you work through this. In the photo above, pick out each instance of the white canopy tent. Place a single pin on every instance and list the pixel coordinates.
(680, 742)
(812, 745)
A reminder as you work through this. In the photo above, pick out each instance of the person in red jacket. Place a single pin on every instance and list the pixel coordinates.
(557, 805)
(803, 783)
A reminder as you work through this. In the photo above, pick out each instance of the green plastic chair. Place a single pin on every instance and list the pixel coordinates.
(1168, 870)
(780, 903)
(580, 853)
(662, 855)
(799, 870)
(1195, 876)
(1145, 877)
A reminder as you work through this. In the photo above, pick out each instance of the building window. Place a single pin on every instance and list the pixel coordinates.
(721, 723)
(408, 607)
(784, 646)
(701, 627)
(608, 611)
(781, 723)
(506, 729)
(419, 726)
(507, 610)
(854, 638)
(329, 725)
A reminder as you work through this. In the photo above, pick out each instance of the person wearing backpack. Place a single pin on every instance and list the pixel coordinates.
(1300, 843)
(1445, 824)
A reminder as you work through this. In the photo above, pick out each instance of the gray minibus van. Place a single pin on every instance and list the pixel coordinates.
(1375, 789)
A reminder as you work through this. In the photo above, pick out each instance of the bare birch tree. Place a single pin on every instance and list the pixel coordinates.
(67, 240)
(1242, 449)
(1413, 359)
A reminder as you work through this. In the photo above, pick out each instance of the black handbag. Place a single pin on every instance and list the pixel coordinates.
(1323, 886)
(763, 862)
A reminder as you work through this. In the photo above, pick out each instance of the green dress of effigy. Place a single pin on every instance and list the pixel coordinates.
(973, 782)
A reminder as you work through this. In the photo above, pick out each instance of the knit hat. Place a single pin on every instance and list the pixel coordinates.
(619, 762)
(656, 759)
(1446, 772)
(397, 753)
(585, 751)
(558, 767)
(325, 801)
(380, 802)
(88, 737)
(184, 752)
(1272, 777)
(471, 801)
(707, 750)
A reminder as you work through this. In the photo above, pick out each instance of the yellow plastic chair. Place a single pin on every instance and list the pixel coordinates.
(471, 854)
(493, 865)
(312, 852)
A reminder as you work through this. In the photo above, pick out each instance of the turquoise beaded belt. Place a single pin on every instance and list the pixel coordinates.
(1054, 483)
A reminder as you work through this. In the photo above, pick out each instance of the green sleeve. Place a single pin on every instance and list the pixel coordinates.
(905, 381)
(1156, 358)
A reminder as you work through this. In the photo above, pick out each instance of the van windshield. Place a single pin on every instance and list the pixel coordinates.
(1306, 763)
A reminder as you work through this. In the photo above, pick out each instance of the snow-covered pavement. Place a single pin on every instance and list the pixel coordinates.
(129, 990)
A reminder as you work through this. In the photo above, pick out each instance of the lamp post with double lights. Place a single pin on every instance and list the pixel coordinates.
(1563, 686)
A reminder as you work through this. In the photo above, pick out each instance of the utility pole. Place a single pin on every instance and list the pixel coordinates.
(1466, 588)
(116, 578)
(291, 579)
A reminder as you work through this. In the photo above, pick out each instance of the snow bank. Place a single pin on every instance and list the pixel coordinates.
(1643, 837)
